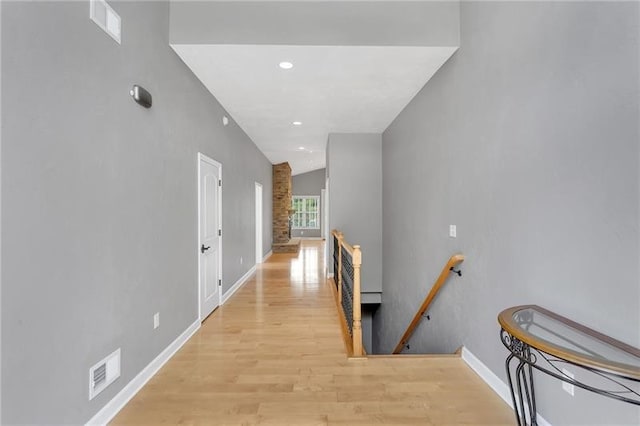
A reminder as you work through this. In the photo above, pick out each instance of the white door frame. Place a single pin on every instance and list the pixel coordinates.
(323, 219)
(325, 211)
(202, 157)
(259, 223)
(328, 246)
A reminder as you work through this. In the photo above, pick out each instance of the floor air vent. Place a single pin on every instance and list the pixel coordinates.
(104, 373)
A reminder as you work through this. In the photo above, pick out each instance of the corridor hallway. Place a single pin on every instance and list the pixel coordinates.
(274, 354)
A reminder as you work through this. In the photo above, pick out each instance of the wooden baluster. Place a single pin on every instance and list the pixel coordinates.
(357, 311)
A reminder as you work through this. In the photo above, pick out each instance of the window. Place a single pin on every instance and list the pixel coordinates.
(306, 211)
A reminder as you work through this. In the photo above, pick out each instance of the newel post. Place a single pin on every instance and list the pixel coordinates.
(338, 273)
(357, 306)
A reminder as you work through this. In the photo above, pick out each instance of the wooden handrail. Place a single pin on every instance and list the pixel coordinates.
(356, 315)
(453, 261)
(348, 247)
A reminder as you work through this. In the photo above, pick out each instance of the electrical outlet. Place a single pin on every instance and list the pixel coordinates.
(568, 387)
(241, 260)
(156, 320)
(452, 231)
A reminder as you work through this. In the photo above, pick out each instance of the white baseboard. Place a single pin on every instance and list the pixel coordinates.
(227, 295)
(330, 275)
(494, 382)
(109, 411)
(266, 256)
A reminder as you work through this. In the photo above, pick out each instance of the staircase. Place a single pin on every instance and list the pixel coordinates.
(347, 261)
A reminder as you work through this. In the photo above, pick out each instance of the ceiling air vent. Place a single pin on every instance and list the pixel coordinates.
(104, 373)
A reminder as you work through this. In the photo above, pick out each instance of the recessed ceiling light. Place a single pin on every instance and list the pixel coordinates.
(301, 148)
(297, 123)
(285, 65)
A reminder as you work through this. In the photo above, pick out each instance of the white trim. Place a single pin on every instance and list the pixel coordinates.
(199, 189)
(259, 220)
(323, 196)
(329, 274)
(328, 247)
(494, 382)
(266, 256)
(202, 157)
(0, 212)
(243, 279)
(109, 411)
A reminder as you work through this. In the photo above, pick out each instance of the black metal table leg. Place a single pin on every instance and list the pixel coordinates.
(519, 378)
(507, 365)
(532, 395)
(527, 386)
(521, 387)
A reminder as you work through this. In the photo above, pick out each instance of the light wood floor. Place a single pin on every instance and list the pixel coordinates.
(274, 354)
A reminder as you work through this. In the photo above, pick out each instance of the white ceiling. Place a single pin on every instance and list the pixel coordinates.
(304, 1)
(331, 89)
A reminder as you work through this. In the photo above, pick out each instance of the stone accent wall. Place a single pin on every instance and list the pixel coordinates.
(281, 202)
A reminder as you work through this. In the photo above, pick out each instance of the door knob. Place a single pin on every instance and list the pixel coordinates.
(203, 248)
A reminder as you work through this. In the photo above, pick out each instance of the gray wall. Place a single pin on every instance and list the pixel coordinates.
(317, 23)
(354, 165)
(99, 219)
(368, 314)
(0, 214)
(310, 183)
(527, 139)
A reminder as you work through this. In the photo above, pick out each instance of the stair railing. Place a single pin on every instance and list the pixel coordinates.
(347, 261)
(448, 268)
(337, 259)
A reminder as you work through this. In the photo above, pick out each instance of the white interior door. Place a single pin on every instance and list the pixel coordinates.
(258, 223)
(209, 230)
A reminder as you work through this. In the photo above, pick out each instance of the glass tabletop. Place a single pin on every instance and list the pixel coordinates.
(559, 333)
(567, 339)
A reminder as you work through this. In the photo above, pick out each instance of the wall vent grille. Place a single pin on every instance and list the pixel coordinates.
(99, 375)
(106, 18)
(104, 373)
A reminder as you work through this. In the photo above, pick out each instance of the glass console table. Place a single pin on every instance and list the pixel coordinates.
(540, 339)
